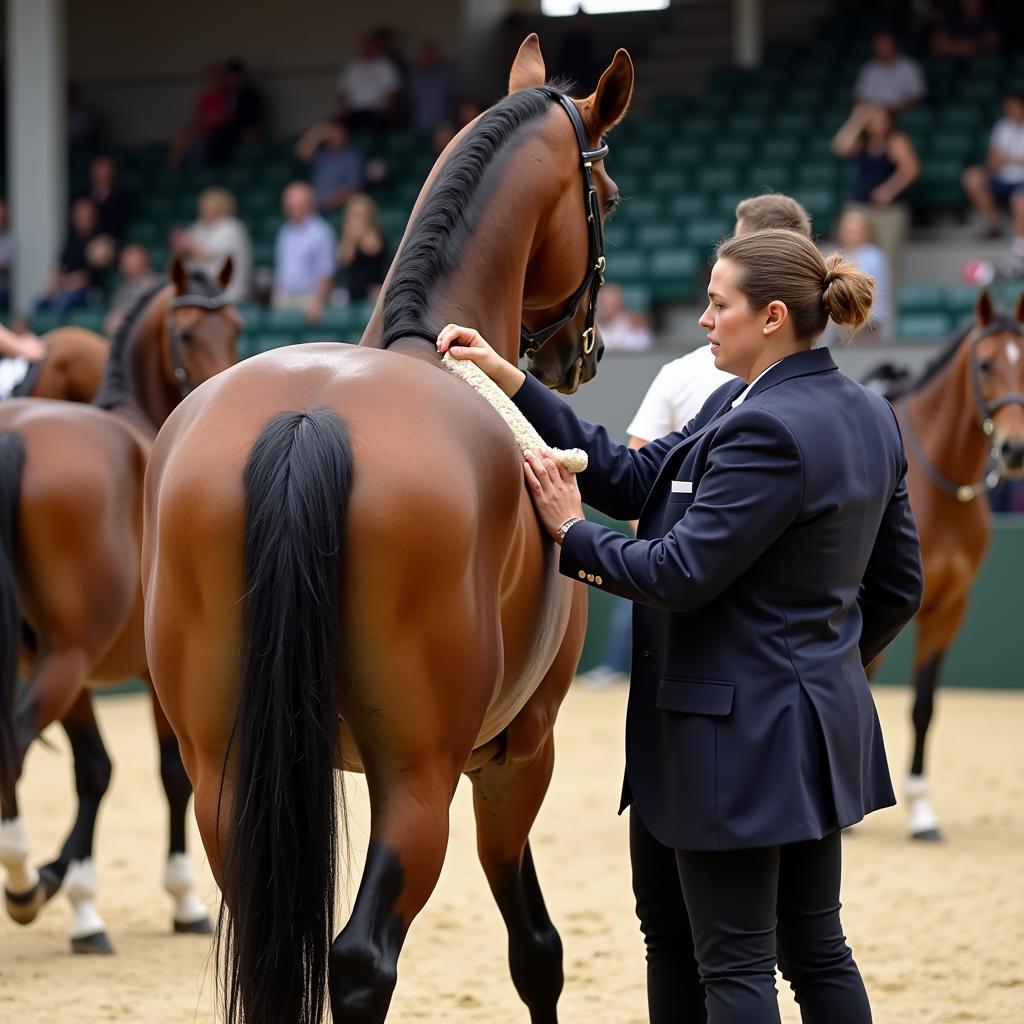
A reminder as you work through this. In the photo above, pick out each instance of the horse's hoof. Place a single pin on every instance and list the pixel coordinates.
(927, 835)
(93, 945)
(24, 907)
(200, 927)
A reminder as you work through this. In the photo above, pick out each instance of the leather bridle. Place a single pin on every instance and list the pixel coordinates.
(531, 342)
(985, 411)
(211, 303)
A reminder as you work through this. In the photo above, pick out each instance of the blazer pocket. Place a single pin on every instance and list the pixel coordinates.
(695, 696)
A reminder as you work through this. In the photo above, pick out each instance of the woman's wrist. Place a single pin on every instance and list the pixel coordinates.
(510, 379)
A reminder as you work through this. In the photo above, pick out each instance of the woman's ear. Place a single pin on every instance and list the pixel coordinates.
(776, 314)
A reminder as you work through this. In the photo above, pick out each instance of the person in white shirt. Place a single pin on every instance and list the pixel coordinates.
(1000, 182)
(368, 89)
(215, 236)
(891, 80)
(622, 329)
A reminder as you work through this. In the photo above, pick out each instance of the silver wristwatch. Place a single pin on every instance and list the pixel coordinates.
(564, 528)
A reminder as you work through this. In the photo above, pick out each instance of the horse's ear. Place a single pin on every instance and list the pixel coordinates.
(1018, 311)
(984, 311)
(528, 68)
(179, 274)
(226, 272)
(610, 100)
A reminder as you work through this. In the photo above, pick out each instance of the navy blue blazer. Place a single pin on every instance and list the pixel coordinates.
(776, 555)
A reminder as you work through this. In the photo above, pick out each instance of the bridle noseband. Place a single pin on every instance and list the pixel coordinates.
(985, 412)
(531, 342)
(210, 303)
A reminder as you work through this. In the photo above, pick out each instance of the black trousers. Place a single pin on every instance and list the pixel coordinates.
(716, 922)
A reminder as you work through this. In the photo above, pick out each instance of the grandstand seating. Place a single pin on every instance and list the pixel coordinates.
(682, 166)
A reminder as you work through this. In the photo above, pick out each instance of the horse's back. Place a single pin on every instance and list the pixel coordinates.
(444, 562)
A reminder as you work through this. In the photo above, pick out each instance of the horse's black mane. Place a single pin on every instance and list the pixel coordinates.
(448, 214)
(1000, 322)
(117, 388)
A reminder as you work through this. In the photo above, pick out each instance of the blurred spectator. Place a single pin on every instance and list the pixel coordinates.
(304, 255)
(387, 40)
(621, 329)
(79, 118)
(336, 168)
(17, 351)
(433, 89)
(443, 134)
(84, 261)
(6, 258)
(136, 276)
(244, 112)
(891, 80)
(576, 58)
(369, 88)
(855, 239)
(1000, 183)
(468, 109)
(209, 115)
(362, 251)
(886, 166)
(112, 203)
(966, 31)
(216, 235)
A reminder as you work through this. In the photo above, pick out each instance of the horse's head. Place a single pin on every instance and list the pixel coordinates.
(996, 381)
(202, 327)
(560, 338)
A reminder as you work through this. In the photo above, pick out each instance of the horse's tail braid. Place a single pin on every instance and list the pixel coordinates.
(12, 461)
(277, 918)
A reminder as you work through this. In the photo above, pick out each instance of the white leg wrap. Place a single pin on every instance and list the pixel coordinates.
(14, 855)
(922, 816)
(180, 883)
(80, 889)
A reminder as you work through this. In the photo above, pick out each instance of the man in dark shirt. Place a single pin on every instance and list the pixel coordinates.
(113, 206)
(83, 261)
(968, 30)
(336, 169)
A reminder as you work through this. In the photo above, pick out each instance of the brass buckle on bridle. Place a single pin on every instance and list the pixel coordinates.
(588, 341)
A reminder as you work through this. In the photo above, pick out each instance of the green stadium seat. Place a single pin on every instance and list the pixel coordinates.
(641, 209)
(674, 274)
(637, 157)
(951, 146)
(713, 180)
(146, 232)
(684, 154)
(780, 150)
(958, 117)
(922, 298)
(657, 235)
(629, 266)
(259, 201)
(667, 182)
(698, 127)
(776, 177)
(960, 300)
(393, 221)
(794, 122)
(687, 206)
(731, 151)
(726, 202)
(44, 320)
(923, 327)
(253, 314)
(637, 297)
(705, 233)
(618, 234)
(266, 342)
(263, 254)
(280, 321)
(746, 126)
(89, 318)
(818, 173)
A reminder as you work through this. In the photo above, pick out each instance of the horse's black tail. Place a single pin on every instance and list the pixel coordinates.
(12, 462)
(276, 922)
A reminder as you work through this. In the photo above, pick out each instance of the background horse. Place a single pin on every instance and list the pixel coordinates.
(343, 568)
(72, 368)
(963, 428)
(70, 588)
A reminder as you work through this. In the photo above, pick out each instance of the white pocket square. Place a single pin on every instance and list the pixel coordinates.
(682, 487)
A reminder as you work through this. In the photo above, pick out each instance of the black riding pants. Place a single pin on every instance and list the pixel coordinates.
(716, 922)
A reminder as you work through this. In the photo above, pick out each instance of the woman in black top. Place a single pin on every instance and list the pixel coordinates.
(362, 251)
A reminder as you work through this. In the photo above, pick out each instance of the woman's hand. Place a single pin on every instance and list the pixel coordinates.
(465, 343)
(553, 488)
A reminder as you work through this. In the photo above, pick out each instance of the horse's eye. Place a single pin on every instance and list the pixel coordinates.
(985, 366)
(185, 336)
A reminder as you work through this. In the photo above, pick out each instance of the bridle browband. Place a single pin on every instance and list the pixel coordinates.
(984, 410)
(531, 342)
(211, 303)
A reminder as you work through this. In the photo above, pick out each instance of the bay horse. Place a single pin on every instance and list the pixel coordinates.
(71, 479)
(71, 370)
(963, 430)
(344, 570)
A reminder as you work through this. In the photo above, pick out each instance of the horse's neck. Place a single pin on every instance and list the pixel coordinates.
(148, 400)
(946, 420)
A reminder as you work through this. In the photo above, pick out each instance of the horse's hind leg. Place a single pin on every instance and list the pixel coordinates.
(56, 683)
(506, 798)
(190, 914)
(73, 868)
(408, 838)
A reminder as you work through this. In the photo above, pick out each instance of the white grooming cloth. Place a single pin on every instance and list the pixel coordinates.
(523, 431)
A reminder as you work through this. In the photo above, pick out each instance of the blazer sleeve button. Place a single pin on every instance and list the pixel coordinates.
(582, 574)
(598, 580)
(590, 577)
